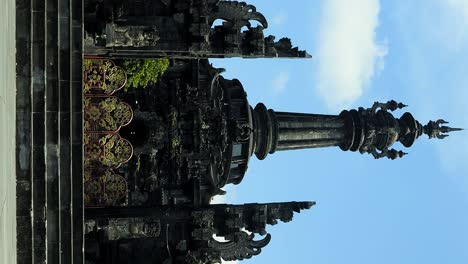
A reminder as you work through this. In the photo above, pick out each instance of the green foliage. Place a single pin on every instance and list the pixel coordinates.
(175, 142)
(144, 72)
(138, 164)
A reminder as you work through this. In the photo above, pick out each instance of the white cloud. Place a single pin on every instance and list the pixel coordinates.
(280, 19)
(459, 6)
(280, 82)
(348, 53)
(456, 23)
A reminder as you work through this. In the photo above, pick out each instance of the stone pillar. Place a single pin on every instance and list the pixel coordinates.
(373, 130)
(298, 131)
(287, 131)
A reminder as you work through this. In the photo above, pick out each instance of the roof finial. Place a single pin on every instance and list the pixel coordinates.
(391, 105)
(436, 129)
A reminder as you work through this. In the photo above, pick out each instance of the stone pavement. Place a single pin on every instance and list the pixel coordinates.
(7, 134)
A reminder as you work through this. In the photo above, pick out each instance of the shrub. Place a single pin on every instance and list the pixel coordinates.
(144, 72)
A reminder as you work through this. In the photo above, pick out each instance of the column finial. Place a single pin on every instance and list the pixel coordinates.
(437, 129)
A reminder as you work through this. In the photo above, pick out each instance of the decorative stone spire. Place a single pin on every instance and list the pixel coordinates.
(373, 130)
(434, 129)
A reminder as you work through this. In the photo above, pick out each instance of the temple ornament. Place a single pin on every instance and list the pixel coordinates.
(104, 188)
(182, 29)
(241, 246)
(101, 76)
(237, 14)
(130, 36)
(436, 129)
(105, 114)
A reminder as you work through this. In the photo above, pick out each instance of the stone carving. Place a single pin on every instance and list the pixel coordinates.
(382, 129)
(284, 48)
(237, 14)
(227, 232)
(131, 36)
(242, 246)
(132, 228)
(243, 132)
(204, 219)
(436, 129)
(391, 105)
(153, 29)
(386, 153)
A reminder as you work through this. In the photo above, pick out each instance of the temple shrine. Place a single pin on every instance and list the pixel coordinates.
(115, 175)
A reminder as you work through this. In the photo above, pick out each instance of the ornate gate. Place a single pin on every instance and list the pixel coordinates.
(104, 149)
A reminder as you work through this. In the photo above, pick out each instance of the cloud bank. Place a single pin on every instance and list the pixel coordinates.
(460, 6)
(348, 53)
(458, 22)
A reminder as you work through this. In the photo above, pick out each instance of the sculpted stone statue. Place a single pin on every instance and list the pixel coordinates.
(131, 36)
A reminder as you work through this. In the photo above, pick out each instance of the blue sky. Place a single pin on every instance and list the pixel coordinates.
(413, 210)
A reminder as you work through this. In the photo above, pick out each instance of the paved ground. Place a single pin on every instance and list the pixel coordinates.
(7, 133)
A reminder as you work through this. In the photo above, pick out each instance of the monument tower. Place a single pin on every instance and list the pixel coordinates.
(107, 175)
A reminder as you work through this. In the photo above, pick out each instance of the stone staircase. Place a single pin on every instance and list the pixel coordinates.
(49, 131)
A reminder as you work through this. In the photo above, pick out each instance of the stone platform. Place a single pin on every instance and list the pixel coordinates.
(49, 131)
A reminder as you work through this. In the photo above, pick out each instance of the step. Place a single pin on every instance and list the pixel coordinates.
(53, 130)
(49, 132)
(23, 133)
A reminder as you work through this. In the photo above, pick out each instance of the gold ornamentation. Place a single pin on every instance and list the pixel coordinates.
(106, 114)
(104, 188)
(108, 150)
(102, 76)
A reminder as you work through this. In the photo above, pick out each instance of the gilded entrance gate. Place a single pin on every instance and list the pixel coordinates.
(104, 149)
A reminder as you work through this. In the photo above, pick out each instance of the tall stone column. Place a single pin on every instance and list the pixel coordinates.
(373, 130)
(276, 131)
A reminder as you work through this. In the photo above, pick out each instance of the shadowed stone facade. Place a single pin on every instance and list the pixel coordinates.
(180, 29)
(192, 134)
